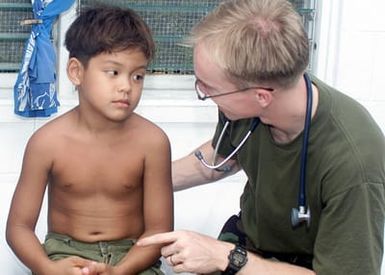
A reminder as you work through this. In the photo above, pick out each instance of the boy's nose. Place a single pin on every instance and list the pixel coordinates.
(125, 85)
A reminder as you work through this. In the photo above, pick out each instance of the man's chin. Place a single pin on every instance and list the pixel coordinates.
(230, 116)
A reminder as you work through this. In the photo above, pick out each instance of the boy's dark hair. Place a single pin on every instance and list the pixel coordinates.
(107, 29)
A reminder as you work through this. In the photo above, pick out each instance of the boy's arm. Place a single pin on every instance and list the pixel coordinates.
(157, 205)
(26, 204)
(25, 209)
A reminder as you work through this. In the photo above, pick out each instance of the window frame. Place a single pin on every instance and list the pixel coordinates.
(170, 83)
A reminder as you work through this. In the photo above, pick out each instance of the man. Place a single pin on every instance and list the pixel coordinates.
(314, 199)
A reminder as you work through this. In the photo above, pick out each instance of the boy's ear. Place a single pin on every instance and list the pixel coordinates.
(75, 71)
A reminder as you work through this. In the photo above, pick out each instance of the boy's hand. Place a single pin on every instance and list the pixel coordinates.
(78, 266)
(72, 266)
(99, 269)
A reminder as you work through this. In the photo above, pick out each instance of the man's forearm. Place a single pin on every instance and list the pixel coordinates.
(188, 172)
(257, 265)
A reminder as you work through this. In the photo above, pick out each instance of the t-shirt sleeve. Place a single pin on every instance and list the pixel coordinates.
(350, 236)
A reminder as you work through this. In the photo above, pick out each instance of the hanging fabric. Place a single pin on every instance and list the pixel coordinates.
(35, 90)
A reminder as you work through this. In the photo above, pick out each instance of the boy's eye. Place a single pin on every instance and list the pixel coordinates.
(138, 77)
(112, 72)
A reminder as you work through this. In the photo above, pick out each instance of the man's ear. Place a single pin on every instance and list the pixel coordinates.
(75, 71)
(263, 97)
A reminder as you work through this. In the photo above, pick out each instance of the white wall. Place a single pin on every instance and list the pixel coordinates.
(350, 57)
(351, 52)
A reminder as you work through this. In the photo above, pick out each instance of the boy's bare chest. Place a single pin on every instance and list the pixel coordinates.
(98, 168)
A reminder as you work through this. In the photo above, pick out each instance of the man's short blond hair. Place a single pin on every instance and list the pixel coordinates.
(256, 41)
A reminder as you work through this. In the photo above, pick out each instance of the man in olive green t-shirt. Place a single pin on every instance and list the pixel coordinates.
(315, 150)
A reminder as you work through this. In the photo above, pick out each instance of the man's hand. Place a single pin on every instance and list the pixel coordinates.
(188, 251)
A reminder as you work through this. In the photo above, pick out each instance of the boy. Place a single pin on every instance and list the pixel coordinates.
(107, 168)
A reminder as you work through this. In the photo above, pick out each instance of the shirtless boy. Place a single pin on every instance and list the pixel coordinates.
(106, 168)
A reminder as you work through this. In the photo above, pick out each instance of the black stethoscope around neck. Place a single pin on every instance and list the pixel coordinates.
(300, 214)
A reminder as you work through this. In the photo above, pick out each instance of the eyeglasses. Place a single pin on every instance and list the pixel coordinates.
(203, 95)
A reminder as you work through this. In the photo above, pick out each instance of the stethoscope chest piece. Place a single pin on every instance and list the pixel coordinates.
(300, 215)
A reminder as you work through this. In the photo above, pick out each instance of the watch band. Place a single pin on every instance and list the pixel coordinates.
(229, 271)
(237, 259)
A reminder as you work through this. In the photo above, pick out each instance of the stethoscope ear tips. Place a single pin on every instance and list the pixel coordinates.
(300, 215)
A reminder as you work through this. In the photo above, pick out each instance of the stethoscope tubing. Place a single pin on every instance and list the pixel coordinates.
(303, 212)
(305, 143)
(199, 155)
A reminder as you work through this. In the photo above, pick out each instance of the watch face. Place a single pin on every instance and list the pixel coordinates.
(238, 258)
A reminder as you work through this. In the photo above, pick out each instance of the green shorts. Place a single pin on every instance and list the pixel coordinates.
(58, 246)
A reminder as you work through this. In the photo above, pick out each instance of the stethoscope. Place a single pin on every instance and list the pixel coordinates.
(298, 215)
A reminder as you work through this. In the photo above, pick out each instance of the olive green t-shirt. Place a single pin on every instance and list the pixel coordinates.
(345, 180)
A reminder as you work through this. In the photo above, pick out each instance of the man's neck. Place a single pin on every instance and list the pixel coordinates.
(289, 117)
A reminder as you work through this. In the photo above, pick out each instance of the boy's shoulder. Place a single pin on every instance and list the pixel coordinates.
(53, 128)
(147, 125)
(60, 122)
(149, 130)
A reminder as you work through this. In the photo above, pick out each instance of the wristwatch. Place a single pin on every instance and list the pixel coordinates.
(237, 259)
